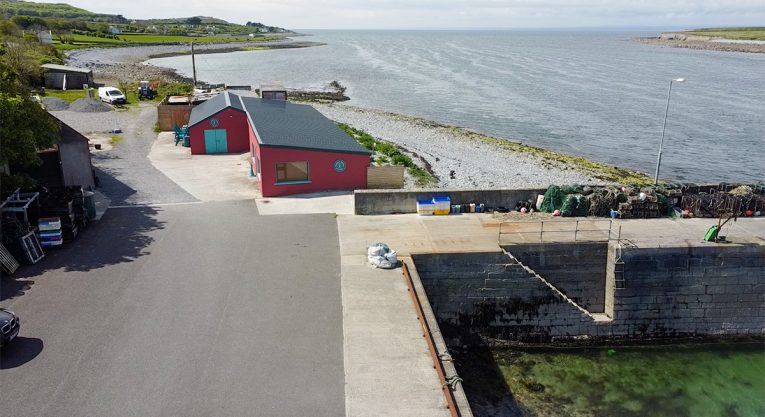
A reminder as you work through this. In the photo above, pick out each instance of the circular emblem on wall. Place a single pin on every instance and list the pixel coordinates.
(214, 122)
(339, 165)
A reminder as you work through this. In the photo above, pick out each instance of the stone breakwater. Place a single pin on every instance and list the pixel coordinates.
(683, 40)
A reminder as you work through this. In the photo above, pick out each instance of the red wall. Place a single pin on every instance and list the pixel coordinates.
(321, 170)
(236, 125)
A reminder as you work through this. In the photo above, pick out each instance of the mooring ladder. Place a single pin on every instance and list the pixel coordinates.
(594, 317)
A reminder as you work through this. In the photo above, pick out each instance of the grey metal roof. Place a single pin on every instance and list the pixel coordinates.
(214, 105)
(66, 68)
(283, 124)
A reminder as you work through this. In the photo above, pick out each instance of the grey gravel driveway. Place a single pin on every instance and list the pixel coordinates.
(126, 175)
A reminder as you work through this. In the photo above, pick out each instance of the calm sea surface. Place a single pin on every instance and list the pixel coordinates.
(723, 380)
(593, 94)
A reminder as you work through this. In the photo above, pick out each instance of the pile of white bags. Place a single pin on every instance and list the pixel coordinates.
(381, 256)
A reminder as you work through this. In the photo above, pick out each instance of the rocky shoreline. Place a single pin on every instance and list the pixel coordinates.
(461, 158)
(683, 40)
(126, 63)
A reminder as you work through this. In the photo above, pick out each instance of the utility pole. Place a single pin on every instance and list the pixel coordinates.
(664, 128)
(193, 65)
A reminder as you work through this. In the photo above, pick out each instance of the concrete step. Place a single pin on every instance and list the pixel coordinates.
(552, 287)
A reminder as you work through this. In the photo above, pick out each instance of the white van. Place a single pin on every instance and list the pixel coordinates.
(111, 95)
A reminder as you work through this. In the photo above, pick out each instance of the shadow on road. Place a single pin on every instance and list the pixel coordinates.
(122, 235)
(20, 351)
(116, 190)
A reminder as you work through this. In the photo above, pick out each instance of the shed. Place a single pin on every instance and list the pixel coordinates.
(62, 77)
(274, 91)
(66, 164)
(219, 125)
(294, 149)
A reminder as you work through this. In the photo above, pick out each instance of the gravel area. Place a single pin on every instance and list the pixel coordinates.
(89, 105)
(87, 123)
(126, 174)
(55, 104)
(458, 161)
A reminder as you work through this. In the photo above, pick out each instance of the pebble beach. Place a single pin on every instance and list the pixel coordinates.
(452, 154)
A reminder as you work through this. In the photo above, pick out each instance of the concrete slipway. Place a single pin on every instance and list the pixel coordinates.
(388, 368)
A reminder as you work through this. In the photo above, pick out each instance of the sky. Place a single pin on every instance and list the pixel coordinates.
(446, 14)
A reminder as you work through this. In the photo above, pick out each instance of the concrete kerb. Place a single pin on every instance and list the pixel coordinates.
(455, 382)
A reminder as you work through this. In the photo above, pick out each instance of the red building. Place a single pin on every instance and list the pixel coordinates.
(219, 125)
(293, 148)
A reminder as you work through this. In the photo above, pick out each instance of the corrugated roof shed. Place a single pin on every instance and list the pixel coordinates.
(299, 126)
(65, 68)
(214, 105)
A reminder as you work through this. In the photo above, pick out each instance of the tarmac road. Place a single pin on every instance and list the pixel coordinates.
(182, 310)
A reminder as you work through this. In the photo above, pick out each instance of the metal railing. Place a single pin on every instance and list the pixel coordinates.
(557, 231)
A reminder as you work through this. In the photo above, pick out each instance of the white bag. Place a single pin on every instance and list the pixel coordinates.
(381, 256)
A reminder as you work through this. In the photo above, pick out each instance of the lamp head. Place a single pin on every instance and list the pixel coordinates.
(679, 80)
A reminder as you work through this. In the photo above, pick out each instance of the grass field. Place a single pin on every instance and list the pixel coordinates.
(140, 38)
(66, 95)
(753, 33)
(83, 41)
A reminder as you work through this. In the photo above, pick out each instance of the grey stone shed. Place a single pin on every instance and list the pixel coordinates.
(62, 77)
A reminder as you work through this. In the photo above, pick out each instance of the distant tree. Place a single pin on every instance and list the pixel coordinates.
(194, 20)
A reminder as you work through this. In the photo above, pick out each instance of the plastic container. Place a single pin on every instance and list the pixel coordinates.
(49, 224)
(425, 207)
(442, 205)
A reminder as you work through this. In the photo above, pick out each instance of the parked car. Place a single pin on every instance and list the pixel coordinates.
(9, 326)
(111, 95)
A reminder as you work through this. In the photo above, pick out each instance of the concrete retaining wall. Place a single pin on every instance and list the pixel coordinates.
(404, 201)
(662, 292)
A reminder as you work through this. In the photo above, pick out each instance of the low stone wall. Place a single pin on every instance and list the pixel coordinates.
(656, 292)
(405, 201)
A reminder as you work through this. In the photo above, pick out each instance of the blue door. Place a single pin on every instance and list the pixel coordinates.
(215, 141)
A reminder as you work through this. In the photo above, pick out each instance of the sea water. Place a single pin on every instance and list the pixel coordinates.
(697, 380)
(597, 94)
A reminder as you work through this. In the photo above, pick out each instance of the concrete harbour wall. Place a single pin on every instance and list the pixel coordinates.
(371, 202)
(646, 292)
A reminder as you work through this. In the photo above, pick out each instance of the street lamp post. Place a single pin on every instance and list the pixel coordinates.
(664, 128)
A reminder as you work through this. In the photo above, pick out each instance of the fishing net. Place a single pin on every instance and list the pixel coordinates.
(553, 199)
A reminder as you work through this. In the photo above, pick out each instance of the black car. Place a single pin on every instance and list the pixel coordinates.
(9, 326)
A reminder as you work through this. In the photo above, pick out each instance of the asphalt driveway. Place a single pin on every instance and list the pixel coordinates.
(183, 310)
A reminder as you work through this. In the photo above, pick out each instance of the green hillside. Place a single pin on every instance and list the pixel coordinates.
(10, 8)
(750, 33)
(74, 28)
